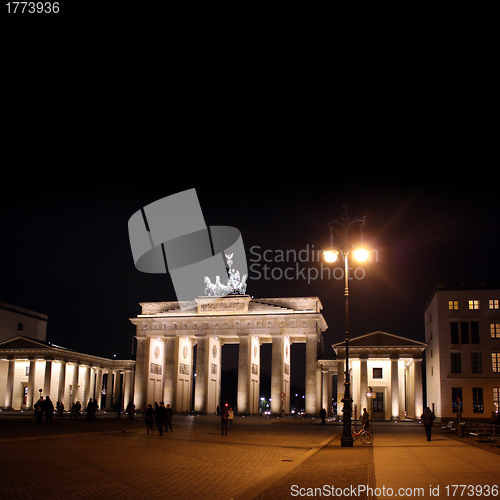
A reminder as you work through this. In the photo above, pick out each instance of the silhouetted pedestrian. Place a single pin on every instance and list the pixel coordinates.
(428, 421)
(230, 417)
(161, 416)
(61, 409)
(39, 410)
(365, 419)
(49, 410)
(224, 417)
(90, 407)
(131, 410)
(322, 414)
(149, 417)
(168, 417)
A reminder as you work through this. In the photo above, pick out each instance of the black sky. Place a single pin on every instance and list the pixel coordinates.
(65, 252)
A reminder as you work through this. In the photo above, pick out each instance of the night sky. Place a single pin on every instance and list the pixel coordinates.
(65, 252)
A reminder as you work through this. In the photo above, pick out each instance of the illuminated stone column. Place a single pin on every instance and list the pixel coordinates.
(395, 389)
(254, 390)
(326, 391)
(47, 378)
(109, 390)
(248, 374)
(244, 357)
(61, 388)
(98, 388)
(200, 389)
(311, 353)
(340, 384)
(31, 385)
(10, 384)
(277, 374)
(419, 401)
(127, 391)
(86, 387)
(142, 367)
(170, 364)
(74, 397)
(363, 375)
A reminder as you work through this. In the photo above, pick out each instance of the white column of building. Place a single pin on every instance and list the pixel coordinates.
(30, 398)
(142, 368)
(363, 375)
(340, 384)
(86, 387)
(61, 388)
(98, 387)
(395, 388)
(330, 391)
(244, 357)
(10, 384)
(311, 353)
(170, 375)
(200, 388)
(127, 392)
(47, 378)
(276, 374)
(109, 390)
(76, 370)
(419, 401)
(326, 398)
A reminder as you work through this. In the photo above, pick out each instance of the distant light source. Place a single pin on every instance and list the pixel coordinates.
(361, 255)
(331, 255)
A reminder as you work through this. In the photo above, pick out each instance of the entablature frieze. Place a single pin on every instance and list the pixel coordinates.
(277, 325)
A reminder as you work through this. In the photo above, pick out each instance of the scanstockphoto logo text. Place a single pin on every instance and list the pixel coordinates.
(305, 264)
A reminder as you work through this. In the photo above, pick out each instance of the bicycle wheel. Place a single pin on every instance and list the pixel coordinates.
(367, 437)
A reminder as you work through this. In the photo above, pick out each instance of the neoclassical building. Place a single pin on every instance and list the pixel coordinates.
(29, 365)
(382, 365)
(168, 331)
(385, 373)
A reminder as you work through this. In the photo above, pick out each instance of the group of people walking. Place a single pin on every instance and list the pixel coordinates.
(226, 420)
(163, 416)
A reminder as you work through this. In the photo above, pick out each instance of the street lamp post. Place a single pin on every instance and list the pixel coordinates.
(360, 254)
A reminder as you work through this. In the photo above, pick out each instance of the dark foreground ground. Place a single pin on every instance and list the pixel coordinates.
(259, 458)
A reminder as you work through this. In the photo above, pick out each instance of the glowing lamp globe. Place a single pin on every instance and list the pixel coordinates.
(331, 255)
(361, 255)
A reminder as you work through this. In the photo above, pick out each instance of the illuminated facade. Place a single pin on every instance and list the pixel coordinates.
(386, 375)
(28, 365)
(167, 334)
(462, 332)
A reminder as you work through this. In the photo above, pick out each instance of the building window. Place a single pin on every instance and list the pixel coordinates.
(456, 399)
(377, 373)
(464, 330)
(496, 398)
(494, 304)
(456, 362)
(495, 362)
(473, 304)
(453, 305)
(476, 362)
(477, 400)
(20, 327)
(495, 330)
(474, 332)
(454, 332)
(378, 402)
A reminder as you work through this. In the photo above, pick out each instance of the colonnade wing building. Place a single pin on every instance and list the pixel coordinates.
(385, 373)
(30, 368)
(168, 331)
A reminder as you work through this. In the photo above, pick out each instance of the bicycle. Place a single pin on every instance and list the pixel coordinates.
(366, 435)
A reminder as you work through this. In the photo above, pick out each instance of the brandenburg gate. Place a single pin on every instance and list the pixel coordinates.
(167, 332)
